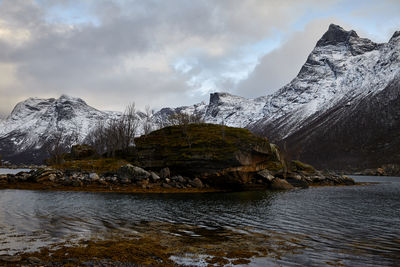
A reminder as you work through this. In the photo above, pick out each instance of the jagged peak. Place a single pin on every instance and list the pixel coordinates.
(336, 35)
(396, 34)
(218, 97)
(65, 97)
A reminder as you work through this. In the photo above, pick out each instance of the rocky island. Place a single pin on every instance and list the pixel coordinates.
(182, 158)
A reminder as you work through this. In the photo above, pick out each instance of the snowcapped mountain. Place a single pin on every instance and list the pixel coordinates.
(341, 110)
(332, 114)
(341, 70)
(33, 122)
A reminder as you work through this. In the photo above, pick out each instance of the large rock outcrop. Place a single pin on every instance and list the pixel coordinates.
(219, 154)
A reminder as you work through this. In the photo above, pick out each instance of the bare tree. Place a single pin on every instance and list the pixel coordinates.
(182, 118)
(60, 142)
(147, 125)
(116, 134)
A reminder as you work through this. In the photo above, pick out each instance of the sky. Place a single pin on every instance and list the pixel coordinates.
(168, 53)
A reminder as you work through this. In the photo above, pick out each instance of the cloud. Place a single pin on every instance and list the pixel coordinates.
(162, 53)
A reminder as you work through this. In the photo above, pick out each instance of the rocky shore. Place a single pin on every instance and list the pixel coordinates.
(129, 178)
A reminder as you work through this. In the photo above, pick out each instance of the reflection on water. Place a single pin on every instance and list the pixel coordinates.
(12, 171)
(354, 226)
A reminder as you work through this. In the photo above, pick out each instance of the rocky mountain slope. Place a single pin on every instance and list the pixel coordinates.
(342, 110)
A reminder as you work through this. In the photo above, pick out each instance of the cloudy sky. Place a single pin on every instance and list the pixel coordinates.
(168, 53)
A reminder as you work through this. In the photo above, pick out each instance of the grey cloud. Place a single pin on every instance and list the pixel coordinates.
(129, 52)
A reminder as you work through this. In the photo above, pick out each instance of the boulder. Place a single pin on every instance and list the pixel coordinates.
(165, 173)
(280, 184)
(266, 175)
(297, 182)
(154, 177)
(178, 178)
(196, 183)
(165, 185)
(94, 177)
(10, 259)
(132, 173)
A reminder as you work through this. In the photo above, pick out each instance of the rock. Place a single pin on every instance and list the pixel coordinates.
(196, 182)
(165, 173)
(125, 180)
(297, 182)
(178, 178)
(52, 177)
(197, 150)
(143, 183)
(298, 166)
(34, 260)
(165, 185)
(132, 172)
(102, 181)
(94, 177)
(154, 177)
(10, 259)
(181, 179)
(266, 175)
(280, 184)
(77, 183)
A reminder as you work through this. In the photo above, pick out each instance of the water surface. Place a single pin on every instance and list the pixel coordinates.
(12, 171)
(350, 225)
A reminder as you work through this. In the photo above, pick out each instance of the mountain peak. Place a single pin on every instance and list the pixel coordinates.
(336, 35)
(395, 35)
(65, 98)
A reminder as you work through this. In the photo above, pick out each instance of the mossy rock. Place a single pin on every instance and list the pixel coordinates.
(298, 166)
(202, 149)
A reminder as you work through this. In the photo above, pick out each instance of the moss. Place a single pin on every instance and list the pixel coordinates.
(297, 165)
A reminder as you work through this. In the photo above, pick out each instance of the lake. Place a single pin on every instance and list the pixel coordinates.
(12, 171)
(343, 225)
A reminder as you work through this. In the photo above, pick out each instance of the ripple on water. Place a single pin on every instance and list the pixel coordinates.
(354, 226)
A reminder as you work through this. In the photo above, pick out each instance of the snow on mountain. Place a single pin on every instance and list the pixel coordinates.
(33, 121)
(341, 70)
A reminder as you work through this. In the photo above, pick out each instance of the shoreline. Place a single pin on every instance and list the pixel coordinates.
(107, 189)
(140, 190)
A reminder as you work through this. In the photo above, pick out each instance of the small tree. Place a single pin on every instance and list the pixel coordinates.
(147, 125)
